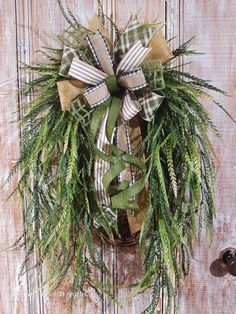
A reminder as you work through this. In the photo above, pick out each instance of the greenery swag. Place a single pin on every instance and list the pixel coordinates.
(57, 163)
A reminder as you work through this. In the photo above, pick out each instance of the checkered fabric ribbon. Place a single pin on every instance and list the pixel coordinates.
(67, 57)
(133, 32)
(105, 95)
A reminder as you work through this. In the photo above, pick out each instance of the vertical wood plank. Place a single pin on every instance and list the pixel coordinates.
(13, 297)
(23, 45)
(128, 267)
(173, 24)
(147, 10)
(50, 21)
(174, 33)
(213, 22)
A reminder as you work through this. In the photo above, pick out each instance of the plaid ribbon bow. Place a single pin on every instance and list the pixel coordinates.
(112, 92)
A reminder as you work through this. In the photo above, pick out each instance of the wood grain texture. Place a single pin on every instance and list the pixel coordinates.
(25, 26)
(13, 297)
(213, 23)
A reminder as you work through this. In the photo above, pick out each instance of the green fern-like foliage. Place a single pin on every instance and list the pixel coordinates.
(182, 179)
(56, 166)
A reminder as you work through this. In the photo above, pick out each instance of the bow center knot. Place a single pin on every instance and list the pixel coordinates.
(112, 84)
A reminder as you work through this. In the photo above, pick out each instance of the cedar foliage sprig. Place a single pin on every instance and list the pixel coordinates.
(182, 177)
(56, 165)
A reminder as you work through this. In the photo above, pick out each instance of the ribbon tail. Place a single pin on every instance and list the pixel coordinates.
(123, 199)
(149, 102)
(130, 140)
(67, 93)
(113, 115)
(103, 158)
(101, 166)
(131, 106)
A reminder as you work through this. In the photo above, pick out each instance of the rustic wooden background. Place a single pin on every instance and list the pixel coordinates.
(26, 25)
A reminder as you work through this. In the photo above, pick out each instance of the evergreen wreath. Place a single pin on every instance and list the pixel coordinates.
(58, 152)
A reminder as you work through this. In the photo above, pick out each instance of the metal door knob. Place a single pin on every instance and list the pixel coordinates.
(228, 257)
(225, 263)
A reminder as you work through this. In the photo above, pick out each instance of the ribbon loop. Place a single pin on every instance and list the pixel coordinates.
(100, 51)
(133, 80)
(133, 58)
(86, 73)
(96, 95)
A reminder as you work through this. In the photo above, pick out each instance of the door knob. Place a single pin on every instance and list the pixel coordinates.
(228, 257)
(225, 263)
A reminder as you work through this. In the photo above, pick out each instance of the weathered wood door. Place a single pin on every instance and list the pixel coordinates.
(26, 25)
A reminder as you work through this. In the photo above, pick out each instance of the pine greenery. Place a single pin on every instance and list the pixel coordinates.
(56, 167)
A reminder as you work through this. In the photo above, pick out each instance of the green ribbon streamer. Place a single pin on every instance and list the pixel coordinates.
(122, 193)
(113, 116)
